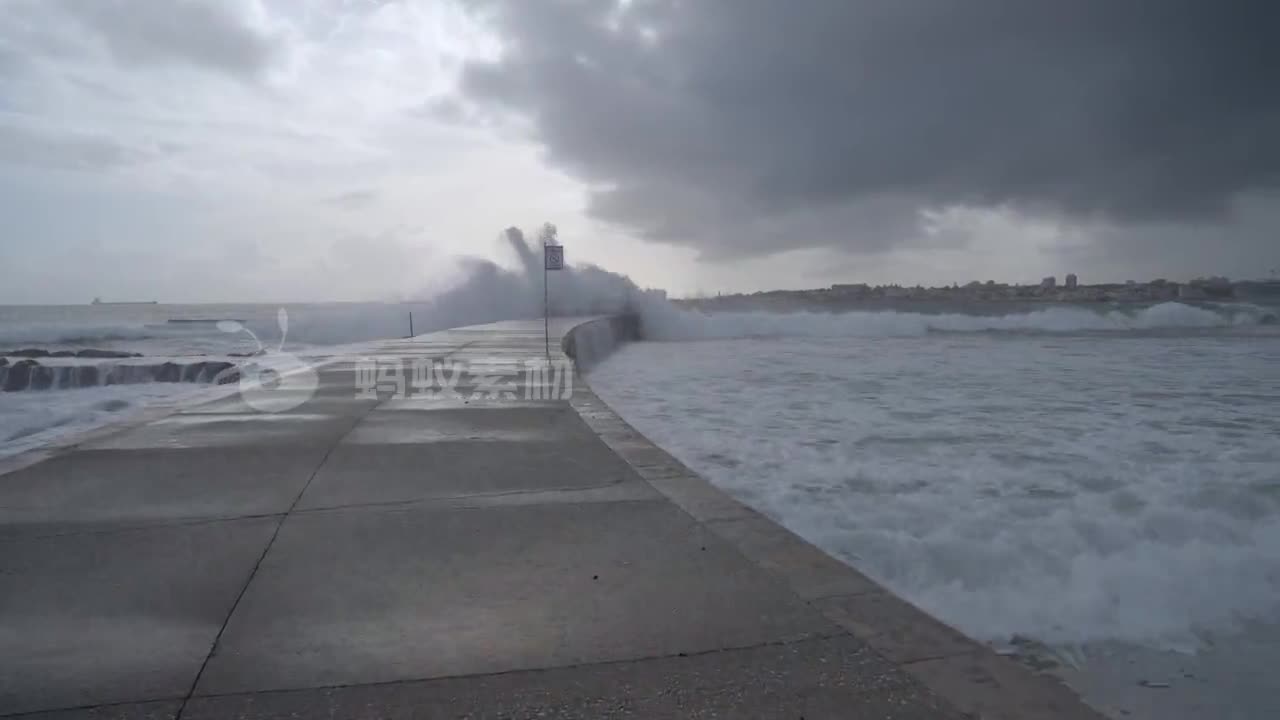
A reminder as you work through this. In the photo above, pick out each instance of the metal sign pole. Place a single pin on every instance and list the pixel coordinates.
(546, 322)
(552, 259)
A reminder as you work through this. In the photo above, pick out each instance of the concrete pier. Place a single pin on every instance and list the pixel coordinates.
(391, 557)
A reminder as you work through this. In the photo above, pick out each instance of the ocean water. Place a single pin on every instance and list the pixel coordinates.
(168, 333)
(162, 330)
(187, 335)
(1098, 491)
(1094, 488)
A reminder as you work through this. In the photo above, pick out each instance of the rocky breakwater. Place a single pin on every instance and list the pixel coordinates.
(20, 370)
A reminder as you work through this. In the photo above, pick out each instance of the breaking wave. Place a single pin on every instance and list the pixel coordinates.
(1110, 493)
(16, 335)
(490, 293)
(484, 291)
(674, 324)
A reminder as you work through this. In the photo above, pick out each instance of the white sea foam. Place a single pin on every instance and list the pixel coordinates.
(15, 335)
(34, 419)
(485, 292)
(1074, 489)
(668, 323)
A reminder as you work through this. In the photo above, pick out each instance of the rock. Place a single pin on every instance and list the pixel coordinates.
(19, 375)
(42, 378)
(87, 376)
(4, 362)
(191, 372)
(106, 354)
(169, 372)
(217, 372)
(128, 374)
(87, 353)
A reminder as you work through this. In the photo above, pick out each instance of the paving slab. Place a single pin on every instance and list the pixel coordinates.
(896, 629)
(991, 687)
(112, 617)
(460, 403)
(361, 473)
(91, 490)
(291, 402)
(821, 679)
(483, 556)
(230, 430)
(514, 424)
(365, 596)
(163, 710)
(811, 573)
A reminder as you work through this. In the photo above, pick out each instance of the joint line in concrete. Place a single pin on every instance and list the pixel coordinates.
(213, 648)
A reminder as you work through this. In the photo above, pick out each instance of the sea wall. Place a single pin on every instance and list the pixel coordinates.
(591, 342)
(970, 675)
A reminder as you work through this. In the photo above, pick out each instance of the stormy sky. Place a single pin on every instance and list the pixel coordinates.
(351, 149)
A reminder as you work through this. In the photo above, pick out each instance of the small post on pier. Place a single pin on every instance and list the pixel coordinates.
(410, 323)
(552, 259)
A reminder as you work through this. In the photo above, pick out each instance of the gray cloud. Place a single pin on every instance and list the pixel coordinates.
(742, 126)
(352, 200)
(204, 33)
(10, 61)
(65, 150)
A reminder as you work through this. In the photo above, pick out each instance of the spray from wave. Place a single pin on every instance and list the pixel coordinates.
(491, 293)
(483, 291)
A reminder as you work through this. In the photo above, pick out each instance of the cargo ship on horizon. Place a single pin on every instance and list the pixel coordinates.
(99, 301)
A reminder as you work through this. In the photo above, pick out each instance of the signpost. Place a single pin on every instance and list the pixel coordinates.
(552, 259)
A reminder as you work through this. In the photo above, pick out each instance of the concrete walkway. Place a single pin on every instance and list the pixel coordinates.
(393, 558)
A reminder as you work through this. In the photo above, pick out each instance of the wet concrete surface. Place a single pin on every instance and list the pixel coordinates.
(380, 557)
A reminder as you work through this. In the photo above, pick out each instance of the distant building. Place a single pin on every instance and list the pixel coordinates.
(1049, 283)
(1072, 281)
(858, 289)
(1215, 287)
(1191, 292)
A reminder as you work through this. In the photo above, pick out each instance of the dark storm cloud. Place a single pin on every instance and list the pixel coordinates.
(730, 124)
(204, 33)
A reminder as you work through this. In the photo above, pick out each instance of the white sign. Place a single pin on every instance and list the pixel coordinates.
(554, 257)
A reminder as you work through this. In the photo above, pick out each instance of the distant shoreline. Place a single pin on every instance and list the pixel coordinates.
(995, 295)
